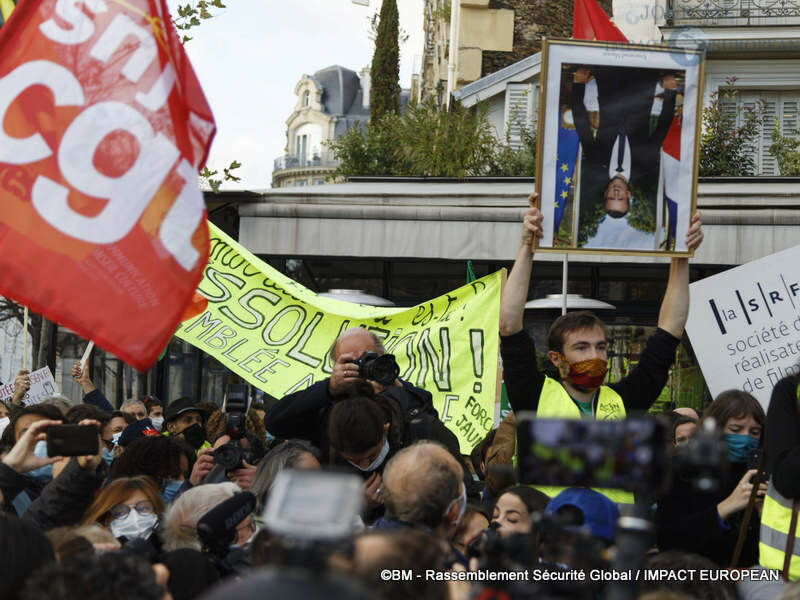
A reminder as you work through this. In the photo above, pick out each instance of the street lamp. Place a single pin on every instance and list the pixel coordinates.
(574, 301)
(357, 297)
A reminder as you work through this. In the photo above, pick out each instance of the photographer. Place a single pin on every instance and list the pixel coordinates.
(708, 523)
(364, 432)
(185, 419)
(304, 414)
(782, 443)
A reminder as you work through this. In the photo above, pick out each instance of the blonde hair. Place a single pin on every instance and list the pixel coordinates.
(180, 521)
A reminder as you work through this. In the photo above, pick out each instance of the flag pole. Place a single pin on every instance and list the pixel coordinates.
(25, 340)
(564, 285)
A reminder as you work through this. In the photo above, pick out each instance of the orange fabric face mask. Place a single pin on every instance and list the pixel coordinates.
(587, 373)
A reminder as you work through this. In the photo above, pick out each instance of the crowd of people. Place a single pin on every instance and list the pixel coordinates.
(181, 501)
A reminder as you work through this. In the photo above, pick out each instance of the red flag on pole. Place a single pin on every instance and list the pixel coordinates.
(590, 22)
(103, 126)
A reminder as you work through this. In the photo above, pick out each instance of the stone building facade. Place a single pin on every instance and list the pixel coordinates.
(532, 20)
(492, 34)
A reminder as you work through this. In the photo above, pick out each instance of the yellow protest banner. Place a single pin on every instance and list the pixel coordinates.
(277, 334)
(6, 6)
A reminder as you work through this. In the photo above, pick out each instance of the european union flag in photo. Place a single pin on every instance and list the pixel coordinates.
(566, 157)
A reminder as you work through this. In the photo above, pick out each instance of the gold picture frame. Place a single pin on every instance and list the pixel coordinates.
(687, 66)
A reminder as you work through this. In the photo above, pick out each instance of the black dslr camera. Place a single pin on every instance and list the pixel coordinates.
(235, 408)
(383, 369)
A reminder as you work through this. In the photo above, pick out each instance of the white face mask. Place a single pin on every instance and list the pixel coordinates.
(462, 504)
(158, 423)
(134, 525)
(378, 459)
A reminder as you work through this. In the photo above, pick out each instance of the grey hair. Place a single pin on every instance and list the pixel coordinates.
(180, 520)
(131, 402)
(284, 456)
(375, 340)
(62, 403)
(425, 483)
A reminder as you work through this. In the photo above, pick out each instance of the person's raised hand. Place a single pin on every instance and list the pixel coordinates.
(345, 371)
(581, 75)
(740, 496)
(694, 237)
(22, 383)
(81, 377)
(372, 494)
(21, 457)
(202, 466)
(90, 462)
(243, 476)
(532, 222)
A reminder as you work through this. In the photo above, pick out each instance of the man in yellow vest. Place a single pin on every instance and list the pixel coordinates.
(577, 345)
(782, 446)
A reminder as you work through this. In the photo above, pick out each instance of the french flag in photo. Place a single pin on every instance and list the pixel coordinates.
(671, 160)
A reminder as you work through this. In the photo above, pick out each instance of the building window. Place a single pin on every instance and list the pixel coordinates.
(519, 111)
(306, 97)
(301, 147)
(782, 108)
(319, 181)
(300, 183)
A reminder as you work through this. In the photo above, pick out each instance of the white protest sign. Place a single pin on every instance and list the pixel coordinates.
(744, 325)
(42, 386)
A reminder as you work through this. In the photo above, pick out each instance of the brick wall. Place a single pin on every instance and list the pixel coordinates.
(532, 20)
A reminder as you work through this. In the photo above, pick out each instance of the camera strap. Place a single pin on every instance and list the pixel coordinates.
(748, 513)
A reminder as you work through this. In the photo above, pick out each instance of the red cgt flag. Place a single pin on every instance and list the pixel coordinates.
(590, 22)
(103, 126)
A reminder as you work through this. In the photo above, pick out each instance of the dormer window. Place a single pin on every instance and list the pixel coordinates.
(306, 96)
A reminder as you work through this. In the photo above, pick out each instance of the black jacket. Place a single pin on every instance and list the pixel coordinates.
(688, 520)
(409, 409)
(625, 100)
(304, 414)
(11, 484)
(65, 499)
(782, 437)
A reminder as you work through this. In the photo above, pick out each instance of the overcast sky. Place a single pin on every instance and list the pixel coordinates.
(250, 57)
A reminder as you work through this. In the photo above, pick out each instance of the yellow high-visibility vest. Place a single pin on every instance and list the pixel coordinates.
(556, 403)
(776, 517)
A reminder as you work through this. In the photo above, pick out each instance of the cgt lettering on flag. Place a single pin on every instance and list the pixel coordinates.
(103, 127)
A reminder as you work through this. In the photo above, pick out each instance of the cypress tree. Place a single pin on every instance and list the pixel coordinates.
(384, 95)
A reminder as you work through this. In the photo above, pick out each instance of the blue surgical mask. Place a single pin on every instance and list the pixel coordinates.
(740, 447)
(171, 487)
(108, 456)
(45, 473)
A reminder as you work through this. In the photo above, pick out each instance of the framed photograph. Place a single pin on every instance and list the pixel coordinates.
(618, 146)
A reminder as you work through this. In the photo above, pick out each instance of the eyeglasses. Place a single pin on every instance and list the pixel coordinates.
(145, 507)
